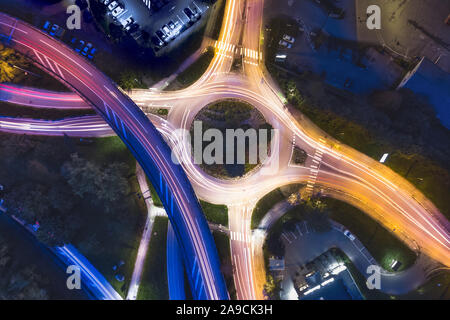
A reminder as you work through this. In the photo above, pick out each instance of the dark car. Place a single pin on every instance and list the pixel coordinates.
(133, 28)
(188, 13)
(77, 44)
(157, 42)
(161, 35)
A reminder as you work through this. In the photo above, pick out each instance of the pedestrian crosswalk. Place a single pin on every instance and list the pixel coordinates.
(314, 170)
(229, 50)
(239, 236)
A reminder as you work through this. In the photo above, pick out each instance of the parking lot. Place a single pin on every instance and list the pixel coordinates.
(338, 60)
(166, 22)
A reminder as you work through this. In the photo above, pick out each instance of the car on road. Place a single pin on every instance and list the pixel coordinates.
(349, 235)
(288, 38)
(285, 44)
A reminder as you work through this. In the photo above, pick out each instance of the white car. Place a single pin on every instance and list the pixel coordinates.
(288, 38)
(118, 10)
(349, 235)
(105, 2)
(127, 22)
(285, 44)
(112, 5)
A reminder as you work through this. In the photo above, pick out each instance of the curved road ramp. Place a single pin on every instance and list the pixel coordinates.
(143, 140)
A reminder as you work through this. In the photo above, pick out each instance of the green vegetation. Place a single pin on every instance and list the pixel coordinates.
(238, 116)
(217, 20)
(299, 156)
(156, 200)
(27, 274)
(80, 193)
(272, 288)
(215, 213)
(397, 122)
(194, 71)
(223, 247)
(15, 68)
(382, 244)
(264, 205)
(131, 80)
(8, 59)
(154, 279)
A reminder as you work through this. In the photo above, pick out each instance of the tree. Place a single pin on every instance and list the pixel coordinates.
(8, 60)
(83, 176)
(114, 184)
(28, 201)
(272, 288)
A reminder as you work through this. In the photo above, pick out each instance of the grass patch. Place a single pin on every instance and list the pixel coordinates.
(223, 247)
(264, 205)
(156, 199)
(154, 279)
(193, 72)
(215, 213)
(217, 20)
(381, 243)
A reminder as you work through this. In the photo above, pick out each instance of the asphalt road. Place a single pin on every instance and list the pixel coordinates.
(146, 144)
(332, 167)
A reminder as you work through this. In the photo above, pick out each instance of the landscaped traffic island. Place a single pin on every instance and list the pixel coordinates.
(229, 139)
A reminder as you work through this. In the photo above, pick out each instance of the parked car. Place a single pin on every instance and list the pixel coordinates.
(288, 38)
(349, 235)
(77, 44)
(166, 29)
(118, 10)
(132, 28)
(113, 5)
(189, 14)
(161, 35)
(53, 29)
(285, 44)
(195, 11)
(157, 42)
(86, 49)
(47, 25)
(92, 53)
(106, 2)
(127, 22)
